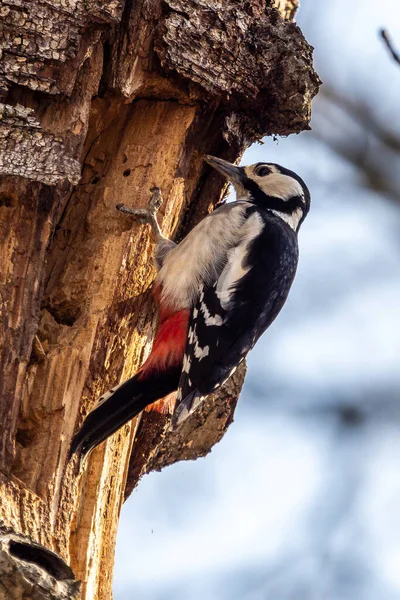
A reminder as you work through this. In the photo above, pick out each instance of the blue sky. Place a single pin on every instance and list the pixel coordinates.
(300, 500)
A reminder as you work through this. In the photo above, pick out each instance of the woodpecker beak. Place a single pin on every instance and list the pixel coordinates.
(231, 172)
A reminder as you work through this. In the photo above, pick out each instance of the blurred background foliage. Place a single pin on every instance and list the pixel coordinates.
(300, 501)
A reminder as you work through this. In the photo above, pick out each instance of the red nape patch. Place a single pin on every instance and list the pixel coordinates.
(169, 344)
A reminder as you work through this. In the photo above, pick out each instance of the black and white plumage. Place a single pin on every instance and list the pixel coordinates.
(232, 313)
(217, 291)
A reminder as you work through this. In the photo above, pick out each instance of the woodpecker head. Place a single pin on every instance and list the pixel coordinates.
(269, 186)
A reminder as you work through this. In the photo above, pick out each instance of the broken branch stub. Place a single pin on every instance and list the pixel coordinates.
(156, 446)
(244, 56)
(29, 571)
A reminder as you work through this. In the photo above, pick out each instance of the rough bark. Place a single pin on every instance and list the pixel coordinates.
(31, 572)
(99, 102)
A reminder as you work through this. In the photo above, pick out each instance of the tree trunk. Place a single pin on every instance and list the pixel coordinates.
(100, 101)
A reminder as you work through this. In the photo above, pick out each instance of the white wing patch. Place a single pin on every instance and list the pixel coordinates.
(236, 267)
(191, 335)
(201, 352)
(197, 350)
(186, 364)
(208, 319)
(277, 184)
(201, 255)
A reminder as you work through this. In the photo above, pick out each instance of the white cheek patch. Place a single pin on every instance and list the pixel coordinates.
(276, 183)
(279, 186)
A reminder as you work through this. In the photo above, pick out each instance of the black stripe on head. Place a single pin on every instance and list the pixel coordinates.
(263, 200)
(294, 175)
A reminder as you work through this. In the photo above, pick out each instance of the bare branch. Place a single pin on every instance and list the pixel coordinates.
(364, 115)
(369, 146)
(385, 36)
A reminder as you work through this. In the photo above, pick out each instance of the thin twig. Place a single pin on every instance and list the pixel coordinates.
(362, 113)
(388, 42)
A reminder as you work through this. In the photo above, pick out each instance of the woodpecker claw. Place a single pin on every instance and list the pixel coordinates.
(146, 215)
(142, 215)
(134, 212)
(156, 199)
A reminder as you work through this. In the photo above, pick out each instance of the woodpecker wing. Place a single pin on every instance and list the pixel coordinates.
(231, 314)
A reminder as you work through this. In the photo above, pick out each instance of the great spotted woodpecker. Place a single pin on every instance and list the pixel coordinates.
(217, 292)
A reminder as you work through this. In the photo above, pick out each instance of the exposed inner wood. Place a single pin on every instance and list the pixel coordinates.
(100, 101)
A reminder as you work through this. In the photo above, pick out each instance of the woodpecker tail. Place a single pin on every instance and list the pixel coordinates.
(121, 404)
(158, 377)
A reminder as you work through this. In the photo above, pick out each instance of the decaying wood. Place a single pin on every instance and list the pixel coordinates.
(100, 101)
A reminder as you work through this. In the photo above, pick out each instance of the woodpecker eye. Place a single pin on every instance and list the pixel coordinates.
(262, 171)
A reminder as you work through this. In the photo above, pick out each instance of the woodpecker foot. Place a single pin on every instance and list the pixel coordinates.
(156, 200)
(144, 215)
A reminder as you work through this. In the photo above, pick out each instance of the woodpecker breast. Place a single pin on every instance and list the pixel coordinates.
(201, 256)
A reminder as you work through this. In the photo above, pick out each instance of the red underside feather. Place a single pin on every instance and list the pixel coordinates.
(170, 341)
